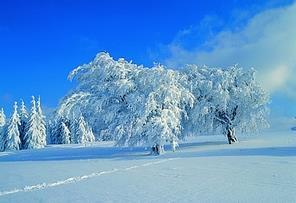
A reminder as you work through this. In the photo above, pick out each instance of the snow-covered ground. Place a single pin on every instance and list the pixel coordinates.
(205, 169)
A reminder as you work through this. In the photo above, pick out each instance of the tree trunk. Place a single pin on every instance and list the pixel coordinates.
(231, 135)
(157, 149)
(174, 145)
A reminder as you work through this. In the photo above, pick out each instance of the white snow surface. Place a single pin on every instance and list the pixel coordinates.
(203, 169)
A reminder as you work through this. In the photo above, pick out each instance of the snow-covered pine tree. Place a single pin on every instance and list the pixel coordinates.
(42, 123)
(51, 139)
(90, 135)
(82, 132)
(2, 128)
(65, 134)
(60, 132)
(12, 134)
(74, 130)
(53, 128)
(2, 118)
(24, 116)
(33, 137)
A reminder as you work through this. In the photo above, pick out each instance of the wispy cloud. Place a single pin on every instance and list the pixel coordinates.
(266, 42)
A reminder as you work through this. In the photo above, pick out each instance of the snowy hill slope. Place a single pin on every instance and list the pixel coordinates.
(205, 169)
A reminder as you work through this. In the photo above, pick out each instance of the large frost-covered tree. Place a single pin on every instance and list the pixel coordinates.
(134, 105)
(124, 99)
(105, 105)
(2, 128)
(24, 116)
(12, 134)
(164, 108)
(34, 137)
(226, 99)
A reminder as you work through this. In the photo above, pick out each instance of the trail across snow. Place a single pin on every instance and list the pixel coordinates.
(77, 179)
(204, 169)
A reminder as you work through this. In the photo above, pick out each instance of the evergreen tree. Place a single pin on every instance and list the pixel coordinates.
(2, 118)
(65, 134)
(90, 135)
(2, 128)
(24, 116)
(34, 138)
(12, 137)
(74, 130)
(42, 123)
(82, 132)
(54, 129)
(51, 132)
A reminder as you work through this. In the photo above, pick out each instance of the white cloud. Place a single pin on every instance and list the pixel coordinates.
(276, 78)
(267, 42)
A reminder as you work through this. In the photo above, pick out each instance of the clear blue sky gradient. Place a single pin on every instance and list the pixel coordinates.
(42, 41)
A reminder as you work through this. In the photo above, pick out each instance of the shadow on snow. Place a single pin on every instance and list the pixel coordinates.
(59, 153)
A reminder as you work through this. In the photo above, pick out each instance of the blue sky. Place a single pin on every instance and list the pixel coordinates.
(42, 41)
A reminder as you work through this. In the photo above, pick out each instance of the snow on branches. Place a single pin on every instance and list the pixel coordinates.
(134, 105)
(23, 130)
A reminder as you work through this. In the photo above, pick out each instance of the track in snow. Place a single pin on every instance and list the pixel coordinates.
(77, 179)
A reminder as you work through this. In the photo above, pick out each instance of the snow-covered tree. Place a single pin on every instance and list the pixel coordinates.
(73, 130)
(226, 99)
(120, 102)
(34, 137)
(106, 104)
(24, 116)
(12, 134)
(66, 135)
(2, 128)
(51, 138)
(2, 118)
(42, 123)
(90, 135)
(164, 109)
(82, 133)
(134, 105)
(59, 131)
